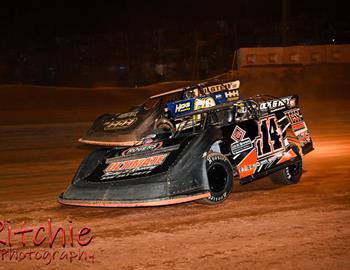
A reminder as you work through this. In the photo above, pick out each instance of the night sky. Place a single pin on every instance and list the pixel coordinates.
(118, 42)
(89, 17)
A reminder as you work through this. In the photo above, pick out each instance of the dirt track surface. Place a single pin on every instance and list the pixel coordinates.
(260, 226)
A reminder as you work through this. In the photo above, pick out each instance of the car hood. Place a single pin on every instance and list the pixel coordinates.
(123, 129)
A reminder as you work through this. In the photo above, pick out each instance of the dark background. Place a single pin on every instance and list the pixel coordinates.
(94, 43)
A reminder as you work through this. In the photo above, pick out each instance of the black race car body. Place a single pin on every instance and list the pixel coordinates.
(126, 129)
(242, 140)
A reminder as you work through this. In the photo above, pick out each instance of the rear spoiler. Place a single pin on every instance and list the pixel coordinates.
(207, 89)
(271, 105)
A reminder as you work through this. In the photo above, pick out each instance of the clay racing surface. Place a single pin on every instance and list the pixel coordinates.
(260, 226)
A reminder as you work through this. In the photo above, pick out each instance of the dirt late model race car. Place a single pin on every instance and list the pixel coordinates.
(159, 111)
(244, 140)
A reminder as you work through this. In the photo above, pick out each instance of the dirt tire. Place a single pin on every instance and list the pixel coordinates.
(220, 178)
(291, 174)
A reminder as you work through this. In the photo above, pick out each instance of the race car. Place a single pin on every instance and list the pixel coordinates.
(159, 111)
(241, 141)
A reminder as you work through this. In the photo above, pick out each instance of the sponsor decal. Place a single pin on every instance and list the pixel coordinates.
(248, 165)
(238, 134)
(294, 116)
(221, 87)
(119, 124)
(133, 166)
(277, 104)
(183, 107)
(183, 125)
(299, 126)
(241, 146)
(304, 138)
(267, 162)
(127, 115)
(232, 95)
(247, 168)
(142, 148)
(206, 102)
(136, 163)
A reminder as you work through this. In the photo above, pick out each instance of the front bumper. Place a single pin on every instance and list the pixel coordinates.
(133, 203)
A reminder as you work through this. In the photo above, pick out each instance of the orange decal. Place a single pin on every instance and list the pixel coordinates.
(155, 202)
(287, 156)
(135, 163)
(247, 166)
(298, 126)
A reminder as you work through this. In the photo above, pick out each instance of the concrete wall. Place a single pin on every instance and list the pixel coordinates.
(294, 55)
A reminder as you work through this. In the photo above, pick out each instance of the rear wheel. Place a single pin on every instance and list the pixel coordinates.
(291, 174)
(220, 178)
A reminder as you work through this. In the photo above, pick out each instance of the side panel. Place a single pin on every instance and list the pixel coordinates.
(258, 145)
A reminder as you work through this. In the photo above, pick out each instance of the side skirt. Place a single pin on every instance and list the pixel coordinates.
(159, 202)
(255, 177)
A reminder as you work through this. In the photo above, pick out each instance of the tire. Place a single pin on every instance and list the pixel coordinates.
(220, 178)
(290, 174)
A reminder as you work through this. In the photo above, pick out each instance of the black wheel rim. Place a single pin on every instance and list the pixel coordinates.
(217, 176)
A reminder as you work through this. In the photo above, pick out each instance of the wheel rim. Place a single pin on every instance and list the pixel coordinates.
(217, 176)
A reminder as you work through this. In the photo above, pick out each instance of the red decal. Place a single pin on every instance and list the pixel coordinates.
(135, 163)
(298, 126)
(237, 134)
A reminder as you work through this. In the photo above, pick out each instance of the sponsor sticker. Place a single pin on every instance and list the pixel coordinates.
(247, 168)
(294, 116)
(276, 104)
(133, 167)
(304, 138)
(136, 163)
(241, 146)
(238, 134)
(232, 95)
(142, 148)
(221, 87)
(119, 123)
(183, 107)
(127, 115)
(206, 102)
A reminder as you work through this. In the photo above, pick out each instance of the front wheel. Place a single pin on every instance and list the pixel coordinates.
(291, 174)
(220, 178)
